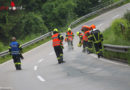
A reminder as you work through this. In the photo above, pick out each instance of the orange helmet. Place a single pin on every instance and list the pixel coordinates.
(85, 27)
(93, 26)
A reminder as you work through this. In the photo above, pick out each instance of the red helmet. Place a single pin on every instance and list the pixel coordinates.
(93, 26)
(85, 28)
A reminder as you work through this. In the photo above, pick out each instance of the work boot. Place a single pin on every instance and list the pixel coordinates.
(88, 51)
(59, 61)
(16, 66)
(62, 62)
(19, 67)
(99, 56)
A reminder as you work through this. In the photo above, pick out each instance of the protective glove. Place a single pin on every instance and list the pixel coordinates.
(62, 47)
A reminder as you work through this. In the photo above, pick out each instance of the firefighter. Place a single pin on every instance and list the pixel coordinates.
(80, 39)
(97, 40)
(69, 37)
(58, 45)
(85, 29)
(90, 36)
(15, 50)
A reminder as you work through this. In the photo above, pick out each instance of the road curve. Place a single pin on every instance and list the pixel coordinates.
(80, 72)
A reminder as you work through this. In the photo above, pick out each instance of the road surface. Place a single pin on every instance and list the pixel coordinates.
(80, 72)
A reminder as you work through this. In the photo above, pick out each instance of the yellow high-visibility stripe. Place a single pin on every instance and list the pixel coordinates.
(61, 54)
(58, 58)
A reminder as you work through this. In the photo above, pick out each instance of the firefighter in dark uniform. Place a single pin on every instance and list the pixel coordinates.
(58, 45)
(15, 50)
(90, 43)
(97, 40)
(90, 36)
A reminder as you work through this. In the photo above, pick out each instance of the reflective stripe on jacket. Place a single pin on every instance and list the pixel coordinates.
(70, 35)
(56, 40)
(85, 37)
(14, 48)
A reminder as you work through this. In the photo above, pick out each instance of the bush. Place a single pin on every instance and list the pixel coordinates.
(29, 24)
(120, 28)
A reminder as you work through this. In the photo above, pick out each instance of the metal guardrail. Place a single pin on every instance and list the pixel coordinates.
(116, 48)
(94, 12)
(49, 33)
(29, 43)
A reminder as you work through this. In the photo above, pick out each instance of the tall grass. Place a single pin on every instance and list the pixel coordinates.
(115, 35)
(118, 35)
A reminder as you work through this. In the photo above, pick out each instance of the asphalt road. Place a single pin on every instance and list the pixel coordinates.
(80, 72)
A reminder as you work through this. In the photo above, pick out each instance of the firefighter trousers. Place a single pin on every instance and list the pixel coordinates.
(90, 46)
(98, 48)
(59, 53)
(17, 61)
(85, 45)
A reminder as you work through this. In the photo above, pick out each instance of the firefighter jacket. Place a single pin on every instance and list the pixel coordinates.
(57, 40)
(69, 35)
(14, 48)
(97, 36)
(85, 37)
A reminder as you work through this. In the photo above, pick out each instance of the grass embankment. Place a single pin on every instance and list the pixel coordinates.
(118, 34)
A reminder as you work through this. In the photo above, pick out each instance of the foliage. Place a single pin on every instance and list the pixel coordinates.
(39, 17)
(119, 36)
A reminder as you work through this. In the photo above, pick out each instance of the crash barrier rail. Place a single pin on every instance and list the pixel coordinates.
(94, 12)
(116, 48)
(29, 43)
(49, 33)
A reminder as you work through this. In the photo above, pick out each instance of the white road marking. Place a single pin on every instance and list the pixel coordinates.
(41, 78)
(115, 17)
(35, 68)
(40, 60)
(51, 53)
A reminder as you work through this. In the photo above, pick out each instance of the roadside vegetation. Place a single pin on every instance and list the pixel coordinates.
(118, 34)
(40, 17)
